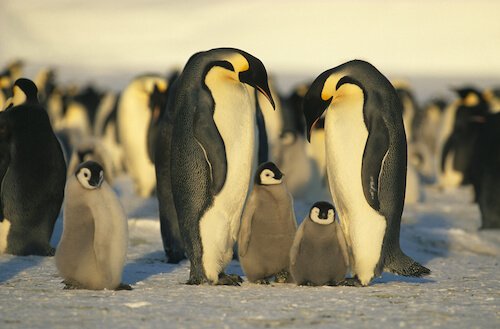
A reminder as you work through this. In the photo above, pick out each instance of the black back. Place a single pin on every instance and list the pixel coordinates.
(33, 187)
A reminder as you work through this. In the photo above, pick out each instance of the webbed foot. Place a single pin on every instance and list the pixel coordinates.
(229, 279)
(123, 286)
(350, 282)
(282, 277)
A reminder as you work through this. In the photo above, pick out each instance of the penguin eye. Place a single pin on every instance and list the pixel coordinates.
(86, 174)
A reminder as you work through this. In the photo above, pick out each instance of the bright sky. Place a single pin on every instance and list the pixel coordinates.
(448, 37)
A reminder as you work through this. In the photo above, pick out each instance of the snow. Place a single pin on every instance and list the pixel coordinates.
(441, 232)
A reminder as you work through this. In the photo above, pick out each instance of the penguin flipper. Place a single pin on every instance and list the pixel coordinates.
(210, 140)
(246, 226)
(376, 149)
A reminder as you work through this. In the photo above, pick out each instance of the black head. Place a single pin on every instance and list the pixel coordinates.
(256, 76)
(90, 175)
(25, 91)
(315, 102)
(268, 174)
(322, 212)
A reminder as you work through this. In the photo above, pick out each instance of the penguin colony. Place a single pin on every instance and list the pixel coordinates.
(225, 155)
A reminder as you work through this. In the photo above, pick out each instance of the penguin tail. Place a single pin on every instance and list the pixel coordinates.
(402, 264)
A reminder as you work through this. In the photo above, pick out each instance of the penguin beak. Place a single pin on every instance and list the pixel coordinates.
(256, 76)
(314, 105)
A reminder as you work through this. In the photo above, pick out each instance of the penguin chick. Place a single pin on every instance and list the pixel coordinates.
(319, 252)
(268, 226)
(93, 246)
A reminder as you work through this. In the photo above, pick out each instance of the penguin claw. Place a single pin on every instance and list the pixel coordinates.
(262, 281)
(229, 279)
(350, 282)
(123, 286)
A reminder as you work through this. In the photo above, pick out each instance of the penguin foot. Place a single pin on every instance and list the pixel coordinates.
(332, 283)
(229, 279)
(123, 286)
(51, 251)
(262, 281)
(282, 277)
(196, 281)
(350, 282)
(306, 284)
(175, 257)
(72, 285)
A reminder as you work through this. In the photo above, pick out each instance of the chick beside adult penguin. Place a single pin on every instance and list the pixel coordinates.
(93, 246)
(268, 227)
(319, 253)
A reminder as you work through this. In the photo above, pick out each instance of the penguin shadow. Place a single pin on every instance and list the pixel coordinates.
(146, 266)
(389, 277)
(14, 265)
(147, 208)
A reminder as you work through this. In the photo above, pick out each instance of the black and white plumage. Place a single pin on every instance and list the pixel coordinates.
(366, 164)
(213, 154)
(32, 174)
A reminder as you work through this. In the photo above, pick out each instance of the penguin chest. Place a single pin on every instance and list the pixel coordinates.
(234, 117)
(364, 228)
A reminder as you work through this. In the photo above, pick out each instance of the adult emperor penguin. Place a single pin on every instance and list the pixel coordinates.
(32, 174)
(213, 154)
(319, 252)
(268, 227)
(366, 164)
(133, 119)
(93, 246)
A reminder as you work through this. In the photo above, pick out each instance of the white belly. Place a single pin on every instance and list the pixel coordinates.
(4, 234)
(364, 228)
(235, 119)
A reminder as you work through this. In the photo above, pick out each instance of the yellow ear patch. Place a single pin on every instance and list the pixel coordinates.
(471, 100)
(4, 233)
(239, 62)
(329, 87)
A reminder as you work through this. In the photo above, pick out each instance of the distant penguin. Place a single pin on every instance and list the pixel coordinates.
(157, 104)
(366, 165)
(268, 227)
(32, 174)
(492, 96)
(304, 179)
(93, 246)
(133, 119)
(463, 121)
(213, 155)
(410, 106)
(319, 253)
(93, 149)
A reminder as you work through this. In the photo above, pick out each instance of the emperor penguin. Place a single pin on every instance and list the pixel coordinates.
(462, 124)
(213, 155)
(173, 244)
(92, 250)
(32, 175)
(268, 227)
(366, 165)
(133, 119)
(319, 253)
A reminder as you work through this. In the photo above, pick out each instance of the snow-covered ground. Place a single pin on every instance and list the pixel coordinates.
(463, 290)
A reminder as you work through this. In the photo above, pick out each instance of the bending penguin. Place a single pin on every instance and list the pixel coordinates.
(213, 154)
(366, 165)
(93, 246)
(319, 252)
(32, 175)
(267, 229)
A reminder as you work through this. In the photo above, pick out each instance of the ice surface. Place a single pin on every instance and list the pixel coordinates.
(462, 292)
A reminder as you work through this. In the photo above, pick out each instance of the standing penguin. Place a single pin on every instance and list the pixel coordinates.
(32, 174)
(268, 226)
(319, 252)
(366, 164)
(213, 154)
(93, 246)
(133, 119)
